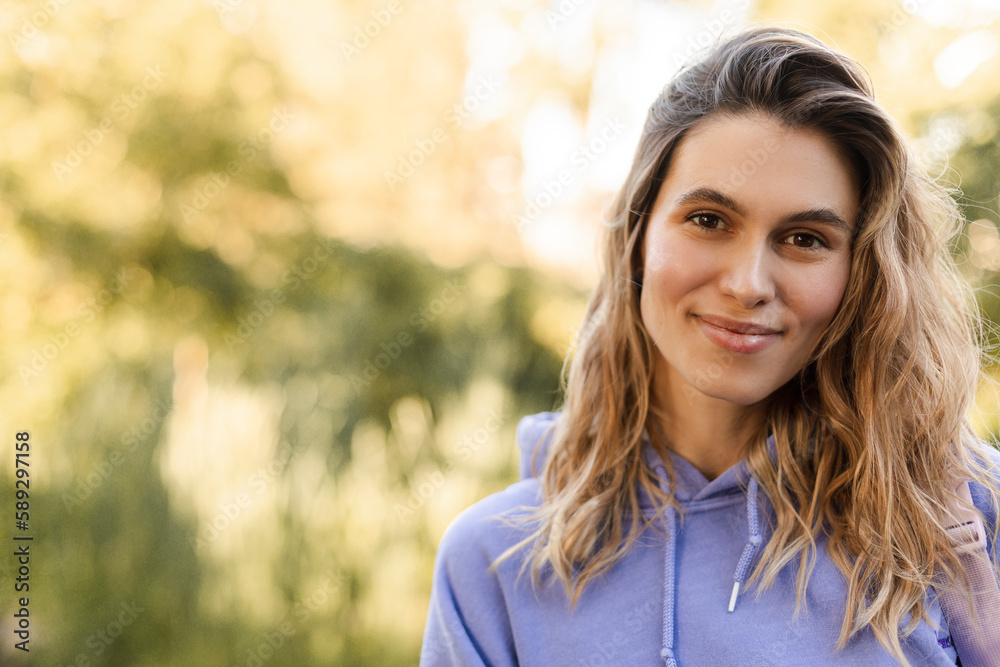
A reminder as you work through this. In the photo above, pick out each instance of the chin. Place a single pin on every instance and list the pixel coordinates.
(726, 391)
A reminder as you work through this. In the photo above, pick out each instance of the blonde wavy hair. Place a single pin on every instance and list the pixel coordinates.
(869, 431)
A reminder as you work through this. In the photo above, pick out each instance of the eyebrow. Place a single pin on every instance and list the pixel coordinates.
(705, 195)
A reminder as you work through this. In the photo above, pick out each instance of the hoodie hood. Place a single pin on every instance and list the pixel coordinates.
(534, 438)
(691, 488)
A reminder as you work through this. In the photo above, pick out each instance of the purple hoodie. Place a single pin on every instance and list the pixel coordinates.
(666, 602)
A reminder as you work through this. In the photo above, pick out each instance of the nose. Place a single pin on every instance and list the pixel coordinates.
(747, 274)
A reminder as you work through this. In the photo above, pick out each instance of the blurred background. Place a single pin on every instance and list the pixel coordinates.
(279, 277)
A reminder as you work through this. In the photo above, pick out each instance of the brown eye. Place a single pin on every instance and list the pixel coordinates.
(808, 241)
(706, 220)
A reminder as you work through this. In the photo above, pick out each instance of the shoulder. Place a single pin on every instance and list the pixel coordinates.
(483, 531)
(982, 495)
(980, 492)
(468, 619)
(489, 527)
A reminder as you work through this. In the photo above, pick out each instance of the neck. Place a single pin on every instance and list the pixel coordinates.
(710, 433)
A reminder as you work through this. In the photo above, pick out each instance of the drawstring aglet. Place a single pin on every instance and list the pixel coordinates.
(732, 599)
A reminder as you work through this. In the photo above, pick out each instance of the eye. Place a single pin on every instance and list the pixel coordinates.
(806, 241)
(707, 221)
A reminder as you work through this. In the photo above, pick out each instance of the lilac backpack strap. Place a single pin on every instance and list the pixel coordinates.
(975, 632)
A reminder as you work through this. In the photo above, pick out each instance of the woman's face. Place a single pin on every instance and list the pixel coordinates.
(746, 256)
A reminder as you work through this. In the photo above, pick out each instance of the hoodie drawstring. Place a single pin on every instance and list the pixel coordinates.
(669, 567)
(670, 561)
(753, 543)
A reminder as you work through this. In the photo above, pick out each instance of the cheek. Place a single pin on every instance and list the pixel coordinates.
(672, 271)
(817, 298)
(659, 286)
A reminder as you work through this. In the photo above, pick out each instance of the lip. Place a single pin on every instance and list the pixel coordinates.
(736, 336)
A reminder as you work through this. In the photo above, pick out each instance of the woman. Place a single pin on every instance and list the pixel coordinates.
(771, 396)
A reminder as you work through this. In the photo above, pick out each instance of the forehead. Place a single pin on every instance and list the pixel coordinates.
(763, 164)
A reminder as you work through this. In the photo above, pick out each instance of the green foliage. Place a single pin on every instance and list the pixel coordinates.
(247, 364)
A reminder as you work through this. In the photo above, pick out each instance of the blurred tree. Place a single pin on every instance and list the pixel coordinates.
(266, 314)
